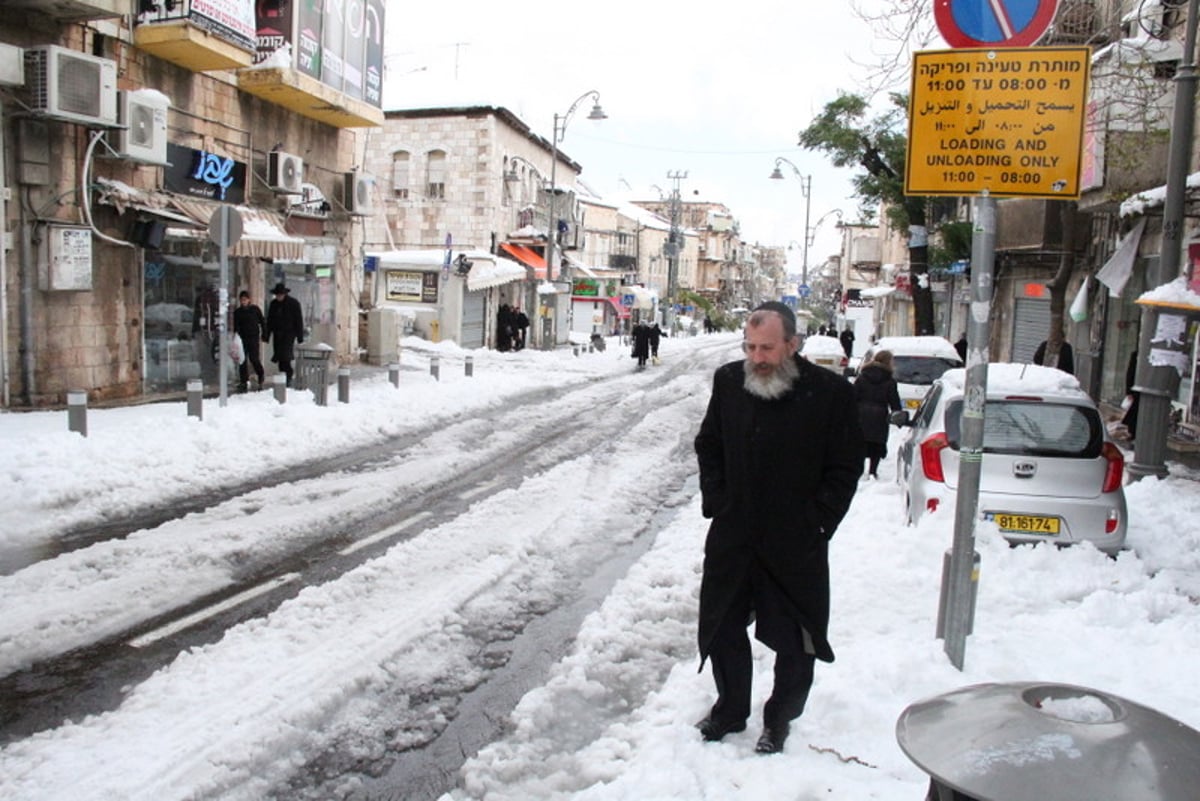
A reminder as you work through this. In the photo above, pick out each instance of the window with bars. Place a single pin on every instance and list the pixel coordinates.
(400, 163)
(435, 175)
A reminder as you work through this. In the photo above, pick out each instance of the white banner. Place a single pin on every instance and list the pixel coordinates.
(237, 16)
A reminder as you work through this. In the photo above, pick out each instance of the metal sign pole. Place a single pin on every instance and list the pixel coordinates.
(223, 305)
(225, 231)
(958, 589)
(222, 332)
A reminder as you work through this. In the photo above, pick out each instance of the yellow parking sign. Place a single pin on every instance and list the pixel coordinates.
(1006, 122)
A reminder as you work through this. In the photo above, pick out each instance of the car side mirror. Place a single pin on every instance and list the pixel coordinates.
(900, 418)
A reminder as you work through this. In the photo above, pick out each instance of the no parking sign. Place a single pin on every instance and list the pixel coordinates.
(993, 23)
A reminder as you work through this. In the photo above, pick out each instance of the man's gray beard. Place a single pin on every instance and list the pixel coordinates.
(773, 385)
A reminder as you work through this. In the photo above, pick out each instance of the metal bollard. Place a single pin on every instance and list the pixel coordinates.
(435, 367)
(591, 348)
(77, 411)
(394, 374)
(575, 350)
(279, 385)
(469, 366)
(195, 398)
(343, 385)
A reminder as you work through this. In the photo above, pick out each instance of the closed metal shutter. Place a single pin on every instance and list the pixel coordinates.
(472, 319)
(1031, 324)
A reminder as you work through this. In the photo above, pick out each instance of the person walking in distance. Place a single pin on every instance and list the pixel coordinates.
(780, 453)
(847, 340)
(251, 326)
(285, 322)
(878, 396)
(641, 344)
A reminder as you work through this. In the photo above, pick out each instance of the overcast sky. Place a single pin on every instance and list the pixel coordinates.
(717, 92)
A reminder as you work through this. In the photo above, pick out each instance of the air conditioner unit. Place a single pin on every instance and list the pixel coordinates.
(356, 193)
(68, 85)
(144, 135)
(285, 173)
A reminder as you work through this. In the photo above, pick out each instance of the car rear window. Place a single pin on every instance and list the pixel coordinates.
(1033, 428)
(923, 370)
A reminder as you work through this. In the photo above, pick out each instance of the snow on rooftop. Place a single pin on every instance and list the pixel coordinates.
(1152, 198)
(1176, 293)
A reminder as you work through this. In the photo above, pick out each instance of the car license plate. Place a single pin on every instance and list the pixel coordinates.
(912, 403)
(1025, 524)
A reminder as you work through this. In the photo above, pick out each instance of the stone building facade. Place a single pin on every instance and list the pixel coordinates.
(109, 280)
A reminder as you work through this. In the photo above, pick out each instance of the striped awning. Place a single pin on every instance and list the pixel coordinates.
(486, 274)
(527, 257)
(263, 234)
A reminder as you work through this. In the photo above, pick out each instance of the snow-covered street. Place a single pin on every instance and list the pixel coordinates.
(492, 498)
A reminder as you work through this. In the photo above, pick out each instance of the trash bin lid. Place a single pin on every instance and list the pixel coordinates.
(1034, 740)
(320, 350)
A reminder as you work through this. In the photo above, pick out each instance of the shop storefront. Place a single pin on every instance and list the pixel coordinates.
(183, 298)
(596, 306)
(452, 295)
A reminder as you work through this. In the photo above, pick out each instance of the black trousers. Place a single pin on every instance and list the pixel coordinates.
(252, 359)
(733, 669)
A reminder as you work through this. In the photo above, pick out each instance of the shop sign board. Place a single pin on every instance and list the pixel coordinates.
(1002, 122)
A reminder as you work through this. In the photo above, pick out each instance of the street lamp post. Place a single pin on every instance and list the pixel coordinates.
(806, 187)
(560, 129)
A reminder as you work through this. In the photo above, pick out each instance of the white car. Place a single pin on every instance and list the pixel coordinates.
(824, 351)
(916, 363)
(1049, 473)
(168, 321)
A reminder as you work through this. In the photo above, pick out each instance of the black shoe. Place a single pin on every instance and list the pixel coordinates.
(714, 730)
(772, 739)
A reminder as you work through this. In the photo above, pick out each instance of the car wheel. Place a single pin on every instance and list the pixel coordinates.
(908, 516)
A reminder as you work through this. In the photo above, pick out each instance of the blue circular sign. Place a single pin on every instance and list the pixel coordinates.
(993, 23)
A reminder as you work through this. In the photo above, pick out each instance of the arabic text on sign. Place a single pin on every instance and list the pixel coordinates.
(1007, 122)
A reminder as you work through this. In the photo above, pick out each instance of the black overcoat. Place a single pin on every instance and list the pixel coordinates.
(285, 322)
(641, 342)
(776, 477)
(878, 396)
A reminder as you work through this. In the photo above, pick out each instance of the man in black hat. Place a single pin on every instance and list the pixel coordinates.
(780, 453)
(285, 322)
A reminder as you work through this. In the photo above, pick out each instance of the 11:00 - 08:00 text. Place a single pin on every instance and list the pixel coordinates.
(968, 176)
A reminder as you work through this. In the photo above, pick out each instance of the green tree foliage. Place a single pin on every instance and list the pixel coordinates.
(878, 145)
(953, 244)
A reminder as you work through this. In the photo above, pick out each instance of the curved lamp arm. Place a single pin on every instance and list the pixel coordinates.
(777, 174)
(560, 121)
(812, 232)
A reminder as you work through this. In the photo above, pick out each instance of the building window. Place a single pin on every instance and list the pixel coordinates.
(400, 162)
(435, 175)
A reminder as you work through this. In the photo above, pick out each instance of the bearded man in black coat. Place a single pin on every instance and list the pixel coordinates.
(780, 453)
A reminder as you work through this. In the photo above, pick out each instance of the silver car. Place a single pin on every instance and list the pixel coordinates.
(1050, 473)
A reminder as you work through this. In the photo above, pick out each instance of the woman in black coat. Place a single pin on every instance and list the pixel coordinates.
(877, 395)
